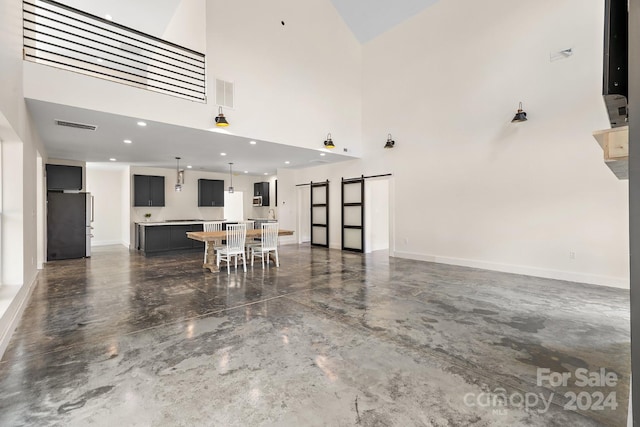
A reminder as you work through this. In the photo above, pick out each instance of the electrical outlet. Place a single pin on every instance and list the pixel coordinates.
(572, 255)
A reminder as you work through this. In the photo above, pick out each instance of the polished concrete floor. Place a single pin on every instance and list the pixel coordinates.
(327, 339)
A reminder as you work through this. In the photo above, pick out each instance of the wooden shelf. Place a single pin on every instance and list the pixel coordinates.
(615, 145)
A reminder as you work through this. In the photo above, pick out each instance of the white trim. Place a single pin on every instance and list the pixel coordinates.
(570, 276)
(107, 243)
(11, 317)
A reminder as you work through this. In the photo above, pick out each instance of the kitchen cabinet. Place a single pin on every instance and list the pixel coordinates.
(262, 189)
(165, 238)
(148, 190)
(211, 192)
(156, 239)
(63, 177)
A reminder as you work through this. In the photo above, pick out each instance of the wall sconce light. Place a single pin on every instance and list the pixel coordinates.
(520, 116)
(179, 176)
(221, 120)
(390, 142)
(230, 179)
(328, 143)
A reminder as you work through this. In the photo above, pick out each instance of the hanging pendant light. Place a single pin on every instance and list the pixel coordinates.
(328, 143)
(520, 116)
(230, 179)
(390, 142)
(179, 176)
(220, 120)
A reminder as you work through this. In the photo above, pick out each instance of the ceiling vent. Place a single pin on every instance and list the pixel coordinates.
(76, 125)
(224, 93)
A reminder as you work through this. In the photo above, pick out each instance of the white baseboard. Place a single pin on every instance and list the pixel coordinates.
(11, 317)
(106, 242)
(288, 240)
(569, 276)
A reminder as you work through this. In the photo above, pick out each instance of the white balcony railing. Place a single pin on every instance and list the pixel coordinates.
(68, 38)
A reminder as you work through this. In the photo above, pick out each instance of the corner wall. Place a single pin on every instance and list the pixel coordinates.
(471, 187)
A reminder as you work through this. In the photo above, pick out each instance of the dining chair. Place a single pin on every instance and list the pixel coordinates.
(236, 236)
(268, 243)
(211, 226)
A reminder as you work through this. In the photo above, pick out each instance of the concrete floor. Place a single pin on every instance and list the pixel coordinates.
(329, 338)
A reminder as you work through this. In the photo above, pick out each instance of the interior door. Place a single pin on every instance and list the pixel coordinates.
(320, 214)
(353, 231)
(304, 214)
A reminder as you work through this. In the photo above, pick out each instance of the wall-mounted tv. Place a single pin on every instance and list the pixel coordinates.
(615, 71)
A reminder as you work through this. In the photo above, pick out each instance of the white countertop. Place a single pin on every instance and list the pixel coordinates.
(178, 222)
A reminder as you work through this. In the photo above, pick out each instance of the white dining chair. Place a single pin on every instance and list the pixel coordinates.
(236, 236)
(211, 226)
(268, 243)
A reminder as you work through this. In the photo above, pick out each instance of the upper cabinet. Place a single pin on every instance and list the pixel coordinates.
(262, 189)
(211, 192)
(62, 177)
(148, 190)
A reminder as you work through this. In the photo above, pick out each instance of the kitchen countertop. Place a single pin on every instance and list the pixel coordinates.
(177, 222)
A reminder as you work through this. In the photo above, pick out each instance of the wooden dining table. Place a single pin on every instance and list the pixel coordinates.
(215, 238)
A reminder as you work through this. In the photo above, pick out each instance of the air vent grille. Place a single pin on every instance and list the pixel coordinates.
(76, 125)
(224, 93)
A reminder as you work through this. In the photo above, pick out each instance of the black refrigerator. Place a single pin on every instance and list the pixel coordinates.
(69, 218)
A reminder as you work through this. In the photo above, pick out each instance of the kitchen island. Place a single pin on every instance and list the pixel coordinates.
(167, 236)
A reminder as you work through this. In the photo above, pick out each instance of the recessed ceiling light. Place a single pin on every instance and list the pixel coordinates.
(223, 154)
(127, 141)
(189, 167)
(112, 159)
(142, 124)
(266, 173)
(108, 17)
(287, 162)
(323, 154)
(252, 142)
(246, 171)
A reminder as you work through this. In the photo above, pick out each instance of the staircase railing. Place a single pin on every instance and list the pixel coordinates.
(68, 38)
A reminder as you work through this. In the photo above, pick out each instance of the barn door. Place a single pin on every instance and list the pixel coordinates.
(353, 214)
(320, 214)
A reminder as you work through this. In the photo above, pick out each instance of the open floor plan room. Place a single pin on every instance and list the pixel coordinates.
(329, 338)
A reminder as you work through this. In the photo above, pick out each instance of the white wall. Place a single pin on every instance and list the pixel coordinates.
(188, 26)
(105, 185)
(20, 146)
(293, 83)
(486, 192)
(376, 214)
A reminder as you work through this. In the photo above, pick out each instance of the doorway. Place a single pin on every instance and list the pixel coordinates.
(304, 214)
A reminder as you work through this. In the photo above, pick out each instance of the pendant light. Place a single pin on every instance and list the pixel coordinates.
(179, 176)
(520, 116)
(328, 143)
(230, 179)
(390, 142)
(220, 120)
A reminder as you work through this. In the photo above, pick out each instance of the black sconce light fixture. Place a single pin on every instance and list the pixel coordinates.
(221, 121)
(328, 143)
(390, 142)
(520, 116)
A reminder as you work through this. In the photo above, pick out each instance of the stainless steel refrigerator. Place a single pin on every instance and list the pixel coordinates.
(69, 230)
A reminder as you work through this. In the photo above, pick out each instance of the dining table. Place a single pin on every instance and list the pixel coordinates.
(215, 238)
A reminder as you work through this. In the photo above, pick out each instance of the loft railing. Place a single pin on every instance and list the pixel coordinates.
(68, 38)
